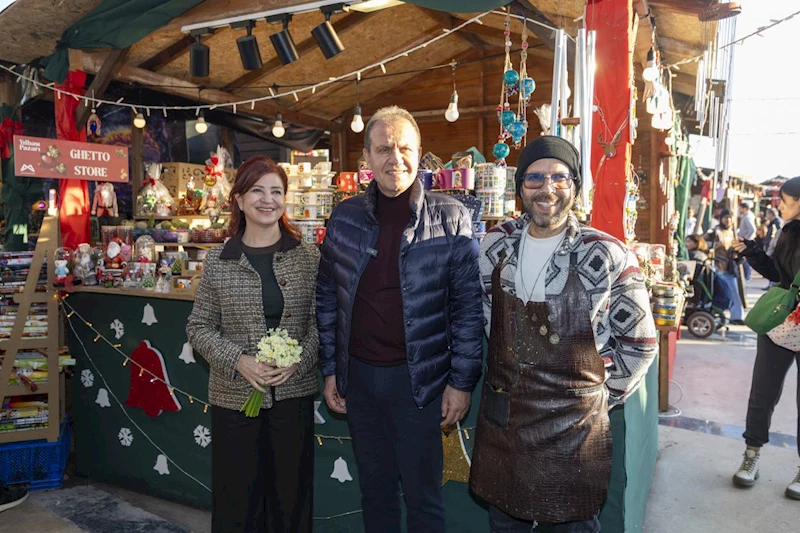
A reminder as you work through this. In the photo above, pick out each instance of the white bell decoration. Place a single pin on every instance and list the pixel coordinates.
(187, 354)
(340, 471)
(149, 316)
(102, 398)
(161, 465)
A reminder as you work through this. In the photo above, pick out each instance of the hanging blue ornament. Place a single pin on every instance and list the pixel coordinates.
(501, 150)
(507, 117)
(511, 77)
(527, 87)
(517, 130)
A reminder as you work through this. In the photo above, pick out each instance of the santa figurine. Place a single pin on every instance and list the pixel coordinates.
(104, 204)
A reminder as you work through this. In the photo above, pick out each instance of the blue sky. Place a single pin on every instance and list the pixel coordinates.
(765, 124)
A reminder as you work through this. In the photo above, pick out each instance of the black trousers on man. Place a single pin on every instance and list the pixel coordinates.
(769, 373)
(262, 469)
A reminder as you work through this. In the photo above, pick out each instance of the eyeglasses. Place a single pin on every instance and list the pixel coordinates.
(535, 180)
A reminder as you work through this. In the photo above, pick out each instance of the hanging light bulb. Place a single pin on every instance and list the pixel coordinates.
(201, 126)
(452, 110)
(651, 70)
(357, 124)
(139, 121)
(277, 128)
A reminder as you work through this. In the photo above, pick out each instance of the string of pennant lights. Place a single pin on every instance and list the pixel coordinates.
(295, 92)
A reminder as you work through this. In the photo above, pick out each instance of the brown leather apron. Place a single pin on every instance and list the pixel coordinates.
(543, 440)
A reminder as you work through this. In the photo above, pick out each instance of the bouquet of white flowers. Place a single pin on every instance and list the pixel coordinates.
(278, 349)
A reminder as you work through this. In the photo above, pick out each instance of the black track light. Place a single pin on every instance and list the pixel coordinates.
(199, 54)
(326, 37)
(248, 47)
(282, 41)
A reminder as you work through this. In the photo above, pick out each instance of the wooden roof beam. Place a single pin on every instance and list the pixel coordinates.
(448, 22)
(93, 62)
(527, 9)
(106, 72)
(694, 7)
(341, 26)
(168, 54)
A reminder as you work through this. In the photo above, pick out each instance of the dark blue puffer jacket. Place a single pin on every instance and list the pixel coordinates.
(441, 297)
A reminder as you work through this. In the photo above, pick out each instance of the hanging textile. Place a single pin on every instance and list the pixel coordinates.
(19, 192)
(683, 191)
(74, 194)
(613, 22)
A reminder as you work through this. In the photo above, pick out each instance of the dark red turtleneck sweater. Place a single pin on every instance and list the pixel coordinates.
(377, 334)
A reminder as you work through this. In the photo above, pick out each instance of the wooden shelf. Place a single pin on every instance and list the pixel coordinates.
(190, 244)
(29, 343)
(141, 293)
(181, 217)
(21, 435)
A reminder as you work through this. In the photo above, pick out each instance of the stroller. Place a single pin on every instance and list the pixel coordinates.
(707, 299)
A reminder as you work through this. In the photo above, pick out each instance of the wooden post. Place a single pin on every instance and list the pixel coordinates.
(227, 140)
(339, 151)
(137, 158)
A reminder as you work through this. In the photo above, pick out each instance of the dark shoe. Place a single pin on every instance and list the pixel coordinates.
(737, 322)
(12, 495)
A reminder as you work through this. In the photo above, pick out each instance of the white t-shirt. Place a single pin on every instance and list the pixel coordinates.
(534, 257)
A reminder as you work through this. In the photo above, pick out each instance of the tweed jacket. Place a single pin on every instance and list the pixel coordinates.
(227, 319)
(624, 331)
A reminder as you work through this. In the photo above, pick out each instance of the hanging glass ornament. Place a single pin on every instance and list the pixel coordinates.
(517, 129)
(511, 77)
(501, 150)
(507, 117)
(93, 125)
(527, 86)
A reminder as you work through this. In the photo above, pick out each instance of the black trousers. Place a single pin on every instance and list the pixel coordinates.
(262, 469)
(769, 373)
(500, 522)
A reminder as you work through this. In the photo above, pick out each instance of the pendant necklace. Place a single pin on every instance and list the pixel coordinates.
(525, 291)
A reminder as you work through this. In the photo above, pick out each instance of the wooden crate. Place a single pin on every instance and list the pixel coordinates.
(176, 175)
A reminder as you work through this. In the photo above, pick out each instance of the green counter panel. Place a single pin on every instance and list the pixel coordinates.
(102, 457)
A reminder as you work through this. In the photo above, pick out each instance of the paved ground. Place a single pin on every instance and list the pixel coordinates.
(700, 448)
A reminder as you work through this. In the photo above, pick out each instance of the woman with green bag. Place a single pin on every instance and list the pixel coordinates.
(772, 361)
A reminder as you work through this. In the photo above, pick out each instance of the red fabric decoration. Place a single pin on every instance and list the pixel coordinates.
(612, 19)
(74, 201)
(8, 128)
(150, 391)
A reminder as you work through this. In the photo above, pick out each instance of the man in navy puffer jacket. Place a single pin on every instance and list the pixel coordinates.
(400, 324)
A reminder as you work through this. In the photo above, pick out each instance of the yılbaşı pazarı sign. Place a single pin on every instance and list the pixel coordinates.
(52, 158)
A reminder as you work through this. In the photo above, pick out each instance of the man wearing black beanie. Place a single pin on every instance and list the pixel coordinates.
(570, 334)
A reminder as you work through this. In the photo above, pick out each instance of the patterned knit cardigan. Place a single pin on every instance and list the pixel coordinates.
(624, 331)
(227, 319)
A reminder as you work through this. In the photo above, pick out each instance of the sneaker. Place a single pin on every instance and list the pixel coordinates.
(747, 474)
(793, 490)
(12, 495)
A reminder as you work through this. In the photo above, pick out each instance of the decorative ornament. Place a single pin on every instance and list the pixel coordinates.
(318, 419)
(507, 117)
(161, 465)
(527, 86)
(517, 130)
(93, 125)
(202, 436)
(511, 77)
(187, 354)
(148, 282)
(102, 398)
(340, 471)
(456, 461)
(87, 378)
(501, 150)
(125, 436)
(149, 315)
(104, 201)
(150, 388)
(118, 327)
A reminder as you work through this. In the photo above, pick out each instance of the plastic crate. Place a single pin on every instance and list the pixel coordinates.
(37, 462)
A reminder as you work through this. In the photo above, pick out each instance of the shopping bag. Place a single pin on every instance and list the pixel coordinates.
(787, 333)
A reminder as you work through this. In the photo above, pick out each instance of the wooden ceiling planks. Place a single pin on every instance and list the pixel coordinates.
(210, 11)
(31, 28)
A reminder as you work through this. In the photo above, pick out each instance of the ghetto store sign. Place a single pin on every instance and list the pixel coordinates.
(51, 158)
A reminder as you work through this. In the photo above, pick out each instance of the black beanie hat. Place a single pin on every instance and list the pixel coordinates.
(791, 187)
(549, 147)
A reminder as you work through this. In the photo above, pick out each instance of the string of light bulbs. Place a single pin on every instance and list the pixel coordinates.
(93, 102)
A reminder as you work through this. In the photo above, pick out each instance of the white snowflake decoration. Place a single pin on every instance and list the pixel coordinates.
(87, 378)
(118, 327)
(125, 437)
(202, 436)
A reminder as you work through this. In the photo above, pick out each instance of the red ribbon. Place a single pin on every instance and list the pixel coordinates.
(8, 128)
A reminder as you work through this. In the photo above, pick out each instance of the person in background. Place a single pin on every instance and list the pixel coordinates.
(775, 223)
(262, 468)
(558, 300)
(399, 310)
(761, 235)
(697, 248)
(747, 229)
(772, 361)
(691, 221)
(725, 263)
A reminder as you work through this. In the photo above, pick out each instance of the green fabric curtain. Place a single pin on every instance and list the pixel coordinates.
(683, 192)
(17, 196)
(113, 24)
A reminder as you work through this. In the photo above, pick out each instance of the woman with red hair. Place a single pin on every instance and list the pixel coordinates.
(263, 277)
